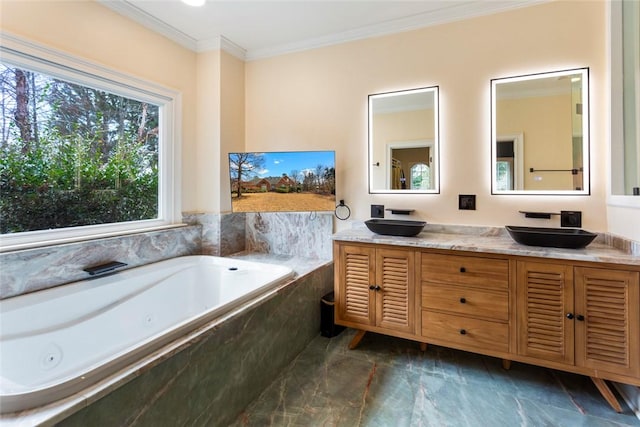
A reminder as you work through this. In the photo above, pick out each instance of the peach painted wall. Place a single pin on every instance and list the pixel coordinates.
(407, 126)
(232, 134)
(317, 100)
(546, 125)
(90, 31)
(220, 126)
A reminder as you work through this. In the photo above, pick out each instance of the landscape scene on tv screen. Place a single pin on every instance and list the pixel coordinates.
(287, 181)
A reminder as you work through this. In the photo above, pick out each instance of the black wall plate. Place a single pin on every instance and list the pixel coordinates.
(467, 202)
(377, 211)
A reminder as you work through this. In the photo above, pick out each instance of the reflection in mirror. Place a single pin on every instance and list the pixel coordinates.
(625, 97)
(540, 133)
(403, 141)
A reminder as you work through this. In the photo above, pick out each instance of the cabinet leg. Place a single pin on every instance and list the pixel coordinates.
(423, 346)
(506, 364)
(356, 339)
(606, 392)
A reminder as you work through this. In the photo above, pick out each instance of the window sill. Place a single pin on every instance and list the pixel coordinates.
(8, 247)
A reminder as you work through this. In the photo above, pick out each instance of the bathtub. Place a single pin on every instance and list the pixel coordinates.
(56, 342)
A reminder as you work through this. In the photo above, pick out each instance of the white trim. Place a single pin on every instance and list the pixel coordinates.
(614, 122)
(49, 58)
(21, 52)
(222, 43)
(134, 13)
(103, 233)
(448, 13)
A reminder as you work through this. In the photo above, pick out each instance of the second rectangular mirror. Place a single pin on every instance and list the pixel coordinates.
(403, 142)
(540, 133)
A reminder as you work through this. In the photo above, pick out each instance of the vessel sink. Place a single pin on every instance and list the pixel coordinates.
(395, 227)
(571, 238)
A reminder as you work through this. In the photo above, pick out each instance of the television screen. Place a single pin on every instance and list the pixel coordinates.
(286, 181)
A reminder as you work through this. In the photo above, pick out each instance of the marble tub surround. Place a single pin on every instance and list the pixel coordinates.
(494, 240)
(388, 381)
(35, 269)
(304, 234)
(222, 233)
(625, 245)
(221, 366)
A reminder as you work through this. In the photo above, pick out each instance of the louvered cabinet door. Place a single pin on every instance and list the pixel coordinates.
(544, 297)
(394, 299)
(356, 302)
(607, 320)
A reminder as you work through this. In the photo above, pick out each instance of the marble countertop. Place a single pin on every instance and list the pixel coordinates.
(496, 240)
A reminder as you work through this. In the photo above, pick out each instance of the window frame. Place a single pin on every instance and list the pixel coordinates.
(22, 53)
(615, 198)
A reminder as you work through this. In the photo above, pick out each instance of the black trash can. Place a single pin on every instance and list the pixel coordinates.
(327, 327)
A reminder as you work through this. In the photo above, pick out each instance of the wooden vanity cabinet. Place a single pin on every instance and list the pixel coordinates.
(465, 302)
(580, 316)
(577, 316)
(375, 288)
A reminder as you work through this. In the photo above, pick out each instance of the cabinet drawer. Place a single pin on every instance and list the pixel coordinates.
(473, 302)
(465, 331)
(488, 273)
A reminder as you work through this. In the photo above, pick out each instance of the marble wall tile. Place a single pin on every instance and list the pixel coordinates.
(222, 234)
(232, 233)
(302, 234)
(212, 381)
(299, 234)
(629, 246)
(41, 268)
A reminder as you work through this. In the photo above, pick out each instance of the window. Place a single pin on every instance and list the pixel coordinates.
(83, 150)
(504, 174)
(420, 177)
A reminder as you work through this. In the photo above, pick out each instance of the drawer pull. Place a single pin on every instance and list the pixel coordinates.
(570, 316)
(371, 287)
(463, 270)
(463, 300)
(463, 332)
(580, 317)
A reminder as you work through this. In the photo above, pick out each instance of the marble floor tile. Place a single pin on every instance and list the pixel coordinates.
(389, 382)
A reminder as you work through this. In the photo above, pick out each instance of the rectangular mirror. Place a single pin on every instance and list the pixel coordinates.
(540, 133)
(404, 142)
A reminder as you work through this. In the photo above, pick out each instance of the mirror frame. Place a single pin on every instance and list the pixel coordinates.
(436, 140)
(586, 177)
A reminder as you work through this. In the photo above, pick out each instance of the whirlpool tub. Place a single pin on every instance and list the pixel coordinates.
(56, 342)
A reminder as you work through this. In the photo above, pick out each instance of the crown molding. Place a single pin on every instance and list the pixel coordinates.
(124, 8)
(222, 43)
(449, 13)
(455, 12)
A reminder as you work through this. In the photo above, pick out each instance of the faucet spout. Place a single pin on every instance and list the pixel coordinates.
(104, 268)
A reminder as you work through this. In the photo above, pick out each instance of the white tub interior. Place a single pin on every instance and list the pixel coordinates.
(55, 342)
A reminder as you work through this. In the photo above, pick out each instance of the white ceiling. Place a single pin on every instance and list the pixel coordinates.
(262, 28)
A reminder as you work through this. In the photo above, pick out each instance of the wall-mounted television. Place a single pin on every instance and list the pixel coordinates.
(283, 181)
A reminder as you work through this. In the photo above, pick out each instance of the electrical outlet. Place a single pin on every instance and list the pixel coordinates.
(377, 211)
(467, 202)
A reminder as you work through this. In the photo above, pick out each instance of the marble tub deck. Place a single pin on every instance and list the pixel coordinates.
(388, 381)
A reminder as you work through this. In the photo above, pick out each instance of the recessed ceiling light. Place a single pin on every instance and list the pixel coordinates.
(194, 2)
